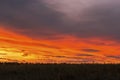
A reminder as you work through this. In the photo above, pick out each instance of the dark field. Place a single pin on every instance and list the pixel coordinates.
(14, 71)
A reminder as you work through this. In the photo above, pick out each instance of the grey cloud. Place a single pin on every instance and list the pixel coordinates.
(101, 19)
(98, 21)
(105, 20)
(37, 19)
(29, 15)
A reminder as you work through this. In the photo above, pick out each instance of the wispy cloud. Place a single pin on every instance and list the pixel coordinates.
(90, 50)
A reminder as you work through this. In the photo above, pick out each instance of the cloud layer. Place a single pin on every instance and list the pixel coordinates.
(42, 18)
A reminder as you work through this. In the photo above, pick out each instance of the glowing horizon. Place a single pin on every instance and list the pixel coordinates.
(19, 48)
(60, 31)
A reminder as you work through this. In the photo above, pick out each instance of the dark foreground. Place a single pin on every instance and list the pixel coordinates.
(59, 72)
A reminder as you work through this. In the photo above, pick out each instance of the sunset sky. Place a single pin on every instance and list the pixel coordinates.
(61, 31)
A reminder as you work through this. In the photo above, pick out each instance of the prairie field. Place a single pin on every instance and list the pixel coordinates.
(15, 71)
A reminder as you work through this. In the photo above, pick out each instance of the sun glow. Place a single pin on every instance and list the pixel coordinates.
(18, 48)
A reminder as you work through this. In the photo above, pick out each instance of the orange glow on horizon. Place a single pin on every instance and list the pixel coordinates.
(15, 47)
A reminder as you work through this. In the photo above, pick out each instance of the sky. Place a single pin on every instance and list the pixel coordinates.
(60, 31)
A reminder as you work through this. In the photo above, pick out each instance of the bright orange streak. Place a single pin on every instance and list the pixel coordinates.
(16, 47)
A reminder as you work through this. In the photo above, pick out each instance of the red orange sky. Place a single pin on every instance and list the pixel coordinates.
(20, 48)
(60, 31)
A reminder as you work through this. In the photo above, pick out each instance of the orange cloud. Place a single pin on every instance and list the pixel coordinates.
(20, 48)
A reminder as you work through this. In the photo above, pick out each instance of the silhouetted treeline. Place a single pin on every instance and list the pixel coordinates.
(28, 71)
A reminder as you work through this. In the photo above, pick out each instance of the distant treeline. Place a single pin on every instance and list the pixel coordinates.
(63, 71)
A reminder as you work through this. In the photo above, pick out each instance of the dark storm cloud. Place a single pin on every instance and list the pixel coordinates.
(35, 18)
(90, 50)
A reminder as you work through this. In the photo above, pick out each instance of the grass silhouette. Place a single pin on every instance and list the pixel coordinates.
(16, 71)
